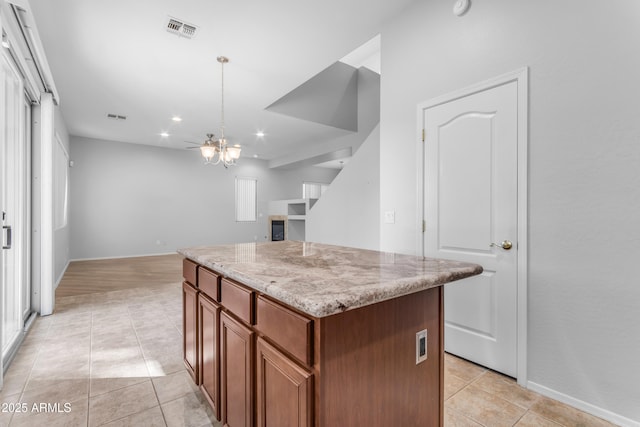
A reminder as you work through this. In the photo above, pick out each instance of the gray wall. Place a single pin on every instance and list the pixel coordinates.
(368, 119)
(61, 236)
(347, 214)
(584, 185)
(126, 198)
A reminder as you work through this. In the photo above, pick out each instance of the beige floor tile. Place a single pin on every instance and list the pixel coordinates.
(455, 419)
(164, 365)
(484, 407)
(61, 367)
(63, 372)
(10, 401)
(14, 381)
(507, 389)
(566, 415)
(99, 386)
(25, 358)
(156, 331)
(112, 341)
(55, 391)
(66, 347)
(188, 411)
(81, 328)
(161, 349)
(71, 318)
(461, 368)
(452, 385)
(173, 386)
(121, 403)
(120, 367)
(111, 323)
(72, 414)
(531, 419)
(148, 418)
(111, 352)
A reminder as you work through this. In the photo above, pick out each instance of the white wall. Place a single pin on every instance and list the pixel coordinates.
(347, 214)
(126, 197)
(61, 236)
(584, 185)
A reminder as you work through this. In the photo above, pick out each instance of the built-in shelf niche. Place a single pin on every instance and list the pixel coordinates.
(295, 211)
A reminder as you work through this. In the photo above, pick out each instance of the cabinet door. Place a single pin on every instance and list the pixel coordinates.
(209, 324)
(236, 372)
(190, 329)
(284, 390)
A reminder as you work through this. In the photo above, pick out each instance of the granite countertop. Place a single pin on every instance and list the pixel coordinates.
(322, 280)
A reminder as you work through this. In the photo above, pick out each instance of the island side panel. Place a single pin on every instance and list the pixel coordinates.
(368, 370)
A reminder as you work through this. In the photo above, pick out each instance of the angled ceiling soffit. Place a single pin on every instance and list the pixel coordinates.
(329, 98)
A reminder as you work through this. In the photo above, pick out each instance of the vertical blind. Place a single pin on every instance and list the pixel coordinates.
(246, 199)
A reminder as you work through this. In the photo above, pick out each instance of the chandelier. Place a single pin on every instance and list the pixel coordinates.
(215, 150)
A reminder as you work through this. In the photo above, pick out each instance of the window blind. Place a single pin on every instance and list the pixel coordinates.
(313, 190)
(246, 199)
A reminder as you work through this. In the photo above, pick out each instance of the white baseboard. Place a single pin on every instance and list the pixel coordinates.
(583, 406)
(123, 256)
(61, 275)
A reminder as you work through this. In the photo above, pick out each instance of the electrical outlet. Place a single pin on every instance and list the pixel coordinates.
(421, 346)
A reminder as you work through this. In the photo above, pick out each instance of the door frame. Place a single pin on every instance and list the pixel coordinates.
(521, 77)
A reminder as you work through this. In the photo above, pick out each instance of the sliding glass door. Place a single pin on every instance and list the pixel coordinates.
(14, 200)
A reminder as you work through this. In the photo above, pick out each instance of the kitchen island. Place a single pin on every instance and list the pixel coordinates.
(304, 334)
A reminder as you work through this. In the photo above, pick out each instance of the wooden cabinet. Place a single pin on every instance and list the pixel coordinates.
(209, 355)
(262, 363)
(209, 283)
(190, 329)
(238, 299)
(284, 390)
(236, 372)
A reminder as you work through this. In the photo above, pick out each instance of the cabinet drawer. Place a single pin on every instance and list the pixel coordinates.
(290, 330)
(208, 283)
(189, 271)
(237, 299)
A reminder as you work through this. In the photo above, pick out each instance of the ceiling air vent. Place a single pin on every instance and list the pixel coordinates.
(180, 28)
(116, 116)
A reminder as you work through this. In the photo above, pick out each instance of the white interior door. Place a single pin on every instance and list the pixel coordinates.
(471, 202)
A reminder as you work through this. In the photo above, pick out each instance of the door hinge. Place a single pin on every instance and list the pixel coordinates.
(424, 226)
(423, 133)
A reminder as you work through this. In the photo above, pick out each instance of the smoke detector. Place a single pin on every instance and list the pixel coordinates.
(180, 28)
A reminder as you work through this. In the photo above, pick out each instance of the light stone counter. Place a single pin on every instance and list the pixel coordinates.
(322, 280)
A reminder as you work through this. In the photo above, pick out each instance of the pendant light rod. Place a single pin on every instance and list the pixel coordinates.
(222, 60)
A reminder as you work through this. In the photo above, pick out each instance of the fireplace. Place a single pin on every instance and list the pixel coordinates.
(277, 228)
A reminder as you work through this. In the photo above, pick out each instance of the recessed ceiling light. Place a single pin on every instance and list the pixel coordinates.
(255, 156)
(260, 134)
(176, 119)
(164, 134)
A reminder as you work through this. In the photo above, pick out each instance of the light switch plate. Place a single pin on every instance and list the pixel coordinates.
(390, 217)
(421, 346)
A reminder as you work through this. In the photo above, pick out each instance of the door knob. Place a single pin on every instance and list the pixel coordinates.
(506, 245)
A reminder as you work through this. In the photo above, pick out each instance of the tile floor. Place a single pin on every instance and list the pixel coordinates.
(115, 359)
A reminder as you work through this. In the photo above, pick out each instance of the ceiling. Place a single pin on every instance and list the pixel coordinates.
(117, 57)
